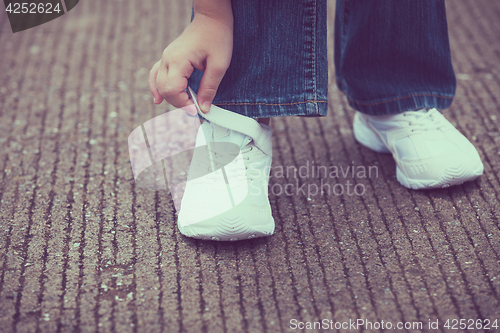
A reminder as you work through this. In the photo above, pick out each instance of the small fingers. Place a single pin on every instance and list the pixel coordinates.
(152, 83)
(209, 84)
(172, 84)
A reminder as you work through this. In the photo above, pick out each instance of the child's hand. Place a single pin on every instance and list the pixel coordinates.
(207, 45)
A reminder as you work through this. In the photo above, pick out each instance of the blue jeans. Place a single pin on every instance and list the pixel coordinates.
(391, 56)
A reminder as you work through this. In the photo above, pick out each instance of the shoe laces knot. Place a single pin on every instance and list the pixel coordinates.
(424, 120)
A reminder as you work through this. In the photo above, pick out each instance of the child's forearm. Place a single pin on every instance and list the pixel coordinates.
(217, 9)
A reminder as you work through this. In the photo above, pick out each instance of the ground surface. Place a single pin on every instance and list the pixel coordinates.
(83, 250)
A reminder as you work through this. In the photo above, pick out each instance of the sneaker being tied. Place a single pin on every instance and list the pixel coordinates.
(226, 195)
(429, 151)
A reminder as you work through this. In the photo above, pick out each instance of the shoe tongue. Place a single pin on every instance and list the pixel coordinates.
(219, 132)
(223, 134)
(420, 113)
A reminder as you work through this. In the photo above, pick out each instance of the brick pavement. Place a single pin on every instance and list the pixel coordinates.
(84, 250)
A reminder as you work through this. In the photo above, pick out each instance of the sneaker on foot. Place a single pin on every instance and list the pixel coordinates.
(429, 151)
(226, 195)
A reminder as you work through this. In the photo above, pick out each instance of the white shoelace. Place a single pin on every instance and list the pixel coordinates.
(424, 120)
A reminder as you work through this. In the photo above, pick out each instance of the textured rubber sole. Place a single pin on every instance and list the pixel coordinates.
(452, 176)
(227, 229)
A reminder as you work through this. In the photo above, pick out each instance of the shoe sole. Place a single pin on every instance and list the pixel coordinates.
(227, 229)
(452, 176)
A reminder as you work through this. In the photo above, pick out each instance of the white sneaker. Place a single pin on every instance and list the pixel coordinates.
(226, 195)
(429, 151)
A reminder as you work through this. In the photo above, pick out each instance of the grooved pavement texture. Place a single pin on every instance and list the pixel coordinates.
(84, 250)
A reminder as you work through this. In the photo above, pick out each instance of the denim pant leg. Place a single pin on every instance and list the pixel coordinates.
(279, 65)
(393, 56)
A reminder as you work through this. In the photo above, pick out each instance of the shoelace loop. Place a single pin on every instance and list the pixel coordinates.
(421, 121)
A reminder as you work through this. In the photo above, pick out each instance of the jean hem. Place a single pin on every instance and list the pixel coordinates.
(311, 108)
(397, 105)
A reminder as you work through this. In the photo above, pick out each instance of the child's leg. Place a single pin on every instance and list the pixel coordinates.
(393, 56)
(393, 63)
